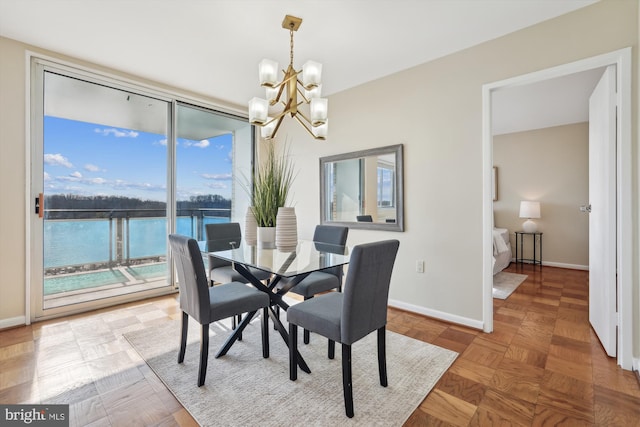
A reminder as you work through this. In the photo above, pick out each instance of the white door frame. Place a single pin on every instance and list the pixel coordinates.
(622, 60)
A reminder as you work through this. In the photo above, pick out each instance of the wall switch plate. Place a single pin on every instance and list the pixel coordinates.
(420, 266)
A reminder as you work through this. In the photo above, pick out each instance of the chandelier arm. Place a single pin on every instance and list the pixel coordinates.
(307, 101)
(275, 130)
(293, 75)
(285, 80)
(278, 117)
(304, 125)
(305, 118)
(275, 100)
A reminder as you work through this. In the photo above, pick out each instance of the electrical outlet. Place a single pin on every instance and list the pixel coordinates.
(420, 266)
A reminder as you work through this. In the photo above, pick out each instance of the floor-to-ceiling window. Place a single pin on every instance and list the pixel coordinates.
(115, 169)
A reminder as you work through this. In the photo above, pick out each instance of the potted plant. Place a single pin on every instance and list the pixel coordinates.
(271, 185)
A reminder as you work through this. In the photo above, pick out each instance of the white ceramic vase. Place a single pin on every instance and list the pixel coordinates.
(267, 237)
(250, 227)
(286, 229)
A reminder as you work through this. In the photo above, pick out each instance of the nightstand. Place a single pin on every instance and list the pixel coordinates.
(536, 236)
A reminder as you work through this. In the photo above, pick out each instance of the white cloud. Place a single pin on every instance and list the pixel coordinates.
(47, 177)
(117, 133)
(120, 184)
(76, 174)
(216, 185)
(162, 142)
(91, 168)
(200, 144)
(57, 160)
(217, 177)
(98, 181)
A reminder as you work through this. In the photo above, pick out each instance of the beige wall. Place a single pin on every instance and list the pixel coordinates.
(434, 109)
(550, 166)
(12, 178)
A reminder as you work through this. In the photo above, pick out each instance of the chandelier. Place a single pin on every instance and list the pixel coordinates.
(297, 88)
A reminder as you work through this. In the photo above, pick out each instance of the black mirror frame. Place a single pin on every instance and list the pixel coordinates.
(399, 188)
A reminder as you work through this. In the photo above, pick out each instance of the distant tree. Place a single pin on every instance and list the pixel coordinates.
(70, 206)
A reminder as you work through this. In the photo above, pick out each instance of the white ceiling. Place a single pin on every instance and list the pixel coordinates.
(213, 47)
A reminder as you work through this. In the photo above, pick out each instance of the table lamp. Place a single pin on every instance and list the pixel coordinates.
(529, 210)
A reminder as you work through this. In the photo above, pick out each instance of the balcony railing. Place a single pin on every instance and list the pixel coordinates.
(128, 241)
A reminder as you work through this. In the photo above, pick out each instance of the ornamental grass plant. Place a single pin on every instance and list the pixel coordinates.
(271, 185)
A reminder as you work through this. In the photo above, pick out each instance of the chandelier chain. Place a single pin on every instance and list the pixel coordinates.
(291, 43)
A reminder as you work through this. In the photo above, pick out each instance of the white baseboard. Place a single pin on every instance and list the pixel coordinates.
(563, 265)
(13, 321)
(560, 265)
(441, 315)
(636, 364)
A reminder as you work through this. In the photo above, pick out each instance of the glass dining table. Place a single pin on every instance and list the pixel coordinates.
(293, 263)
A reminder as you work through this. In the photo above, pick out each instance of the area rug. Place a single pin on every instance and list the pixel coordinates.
(504, 283)
(243, 389)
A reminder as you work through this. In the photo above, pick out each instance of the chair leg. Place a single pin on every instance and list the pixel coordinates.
(275, 327)
(183, 337)
(265, 332)
(332, 349)
(293, 352)
(204, 354)
(235, 321)
(382, 356)
(346, 380)
(306, 332)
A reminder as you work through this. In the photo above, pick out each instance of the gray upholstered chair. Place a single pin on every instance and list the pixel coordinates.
(210, 304)
(348, 316)
(325, 280)
(226, 236)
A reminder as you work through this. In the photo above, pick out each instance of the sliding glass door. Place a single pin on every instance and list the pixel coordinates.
(213, 159)
(115, 169)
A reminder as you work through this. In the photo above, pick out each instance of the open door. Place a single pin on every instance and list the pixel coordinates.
(602, 219)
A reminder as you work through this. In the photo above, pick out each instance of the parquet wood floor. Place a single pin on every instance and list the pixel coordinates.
(543, 365)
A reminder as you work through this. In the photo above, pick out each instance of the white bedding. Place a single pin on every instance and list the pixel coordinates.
(501, 249)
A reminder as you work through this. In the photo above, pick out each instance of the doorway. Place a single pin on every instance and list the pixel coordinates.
(622, 61)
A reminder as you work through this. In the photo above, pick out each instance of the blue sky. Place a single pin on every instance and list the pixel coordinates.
(91, 159)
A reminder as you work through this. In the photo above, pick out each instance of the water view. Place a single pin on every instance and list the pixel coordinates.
(76, 242)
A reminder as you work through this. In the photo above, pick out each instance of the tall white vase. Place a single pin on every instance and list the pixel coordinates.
(286, 229)
(250, 227)
(267, 237)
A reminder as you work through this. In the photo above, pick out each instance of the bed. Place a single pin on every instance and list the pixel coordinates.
(501, 249)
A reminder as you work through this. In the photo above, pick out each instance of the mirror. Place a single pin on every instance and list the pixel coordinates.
(363, 189)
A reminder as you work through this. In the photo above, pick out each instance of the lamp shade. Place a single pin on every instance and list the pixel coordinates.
(268, 72)
(271, 92)
(311, 74)
(258, 110)
(318, 109)
(266, 131)
(529, 209)
(316, 92)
